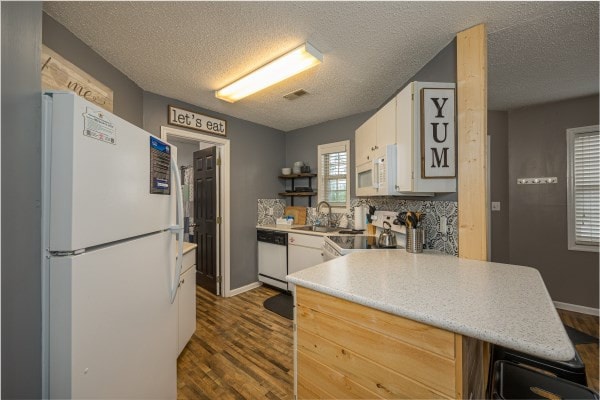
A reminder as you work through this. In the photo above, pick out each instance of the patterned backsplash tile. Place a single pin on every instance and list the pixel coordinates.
(264, 206)
(434, 210)
(434, 238)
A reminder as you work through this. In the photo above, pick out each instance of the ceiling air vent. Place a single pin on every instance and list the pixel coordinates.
(295, 94)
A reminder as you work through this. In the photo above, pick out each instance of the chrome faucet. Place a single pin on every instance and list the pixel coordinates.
(329, 223)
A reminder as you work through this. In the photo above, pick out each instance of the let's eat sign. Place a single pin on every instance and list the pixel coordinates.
(193, 120)
(438, 144)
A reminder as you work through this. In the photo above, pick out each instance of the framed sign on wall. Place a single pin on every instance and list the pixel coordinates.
(193, 120)
(60, 74)
(438, 133)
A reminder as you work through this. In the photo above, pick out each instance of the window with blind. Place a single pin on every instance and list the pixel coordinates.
(583, 197)
(334, 174)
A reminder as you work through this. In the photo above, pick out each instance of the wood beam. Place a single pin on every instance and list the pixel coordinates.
(473, 197)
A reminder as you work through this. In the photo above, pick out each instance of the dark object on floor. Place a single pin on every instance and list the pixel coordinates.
(512, 381)
(572, 370)
(578, 337)
(282, 304)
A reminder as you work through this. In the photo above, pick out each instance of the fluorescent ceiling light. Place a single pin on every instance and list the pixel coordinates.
(289, 64)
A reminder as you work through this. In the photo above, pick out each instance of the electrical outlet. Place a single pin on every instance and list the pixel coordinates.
(270, 211)
(443, 224)
(495, 206)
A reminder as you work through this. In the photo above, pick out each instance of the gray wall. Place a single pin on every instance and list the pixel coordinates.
(301, 144)
(257, 155)
(498, 130)
(538, 213)
(128, 97)
(185, 151)
(21, 198)
(441, 68)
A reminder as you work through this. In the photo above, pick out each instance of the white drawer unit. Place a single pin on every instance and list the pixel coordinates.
(186, 300)
(304, 251)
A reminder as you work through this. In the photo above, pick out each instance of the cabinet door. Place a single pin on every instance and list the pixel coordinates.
(187, 307)
(404, 140)
(386, 125)
(365, 139)
(300, 257)
(408, 140)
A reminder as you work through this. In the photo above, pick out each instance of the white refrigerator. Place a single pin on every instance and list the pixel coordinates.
(112, 212)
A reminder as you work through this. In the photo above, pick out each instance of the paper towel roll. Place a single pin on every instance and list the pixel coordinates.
(359, 218)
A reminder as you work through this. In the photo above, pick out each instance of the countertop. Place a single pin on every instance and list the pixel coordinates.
(187, 247)
(502, 304)
(289, 229)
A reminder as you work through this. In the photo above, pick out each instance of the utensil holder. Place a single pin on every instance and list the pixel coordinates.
(414, 240)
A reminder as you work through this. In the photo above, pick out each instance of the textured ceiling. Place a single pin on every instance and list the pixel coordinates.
(552, 57)
(538, 51)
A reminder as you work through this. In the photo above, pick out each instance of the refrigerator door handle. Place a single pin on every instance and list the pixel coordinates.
(177, 229)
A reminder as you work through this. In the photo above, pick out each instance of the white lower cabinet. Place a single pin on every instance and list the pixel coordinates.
(304, 251)
(186, 299)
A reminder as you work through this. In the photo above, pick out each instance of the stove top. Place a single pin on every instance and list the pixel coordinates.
(357, 242)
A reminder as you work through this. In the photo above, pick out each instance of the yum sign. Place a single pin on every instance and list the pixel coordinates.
(438, 149)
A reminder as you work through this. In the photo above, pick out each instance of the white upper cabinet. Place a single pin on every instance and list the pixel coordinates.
(376, 133)
(425, 137)
(386, 126)
(420, 121)
(366, 137)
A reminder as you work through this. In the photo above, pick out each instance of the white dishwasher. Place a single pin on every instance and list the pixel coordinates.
(272, 258)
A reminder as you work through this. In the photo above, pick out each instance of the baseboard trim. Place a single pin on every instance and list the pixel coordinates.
(577, 308)
(243, 289)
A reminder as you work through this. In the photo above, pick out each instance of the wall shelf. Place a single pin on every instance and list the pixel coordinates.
(295, 176)
(292, 194)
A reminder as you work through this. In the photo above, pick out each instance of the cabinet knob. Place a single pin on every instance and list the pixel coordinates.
(368, 157)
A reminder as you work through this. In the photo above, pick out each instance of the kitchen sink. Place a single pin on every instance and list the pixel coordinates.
(315, 228)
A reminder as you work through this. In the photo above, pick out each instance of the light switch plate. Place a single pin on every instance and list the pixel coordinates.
(270, 211)
(495, 206)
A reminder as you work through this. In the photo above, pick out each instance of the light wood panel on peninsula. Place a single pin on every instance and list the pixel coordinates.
(346, 350)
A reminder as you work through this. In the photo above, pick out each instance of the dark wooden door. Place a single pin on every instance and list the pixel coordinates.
(205, 217)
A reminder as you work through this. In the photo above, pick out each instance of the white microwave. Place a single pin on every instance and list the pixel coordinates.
(378, 177)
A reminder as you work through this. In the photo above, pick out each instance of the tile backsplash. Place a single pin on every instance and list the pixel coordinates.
(264, 206)
(445, 242)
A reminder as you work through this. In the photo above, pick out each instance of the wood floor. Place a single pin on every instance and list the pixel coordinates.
(242, 351)
(588, 352)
